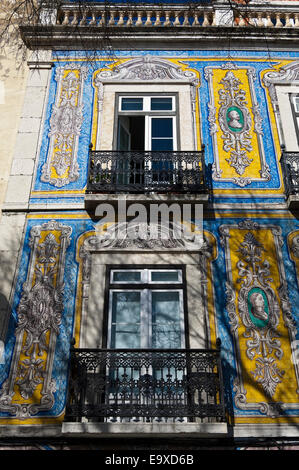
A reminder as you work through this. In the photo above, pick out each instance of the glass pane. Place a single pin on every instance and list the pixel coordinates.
(166, 336)
(162, 127)
(296, 103)
(166, 324)
(161, 104)
(167, 276)
(132, 104)
(125, 328)
(126, 307)
(125, 336)
(165, 306)
(126, 276)
(162, 144)
(124, 138)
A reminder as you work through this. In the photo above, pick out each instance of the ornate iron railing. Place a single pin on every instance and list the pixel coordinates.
(290, 169)
(145, 385)
(139, 172)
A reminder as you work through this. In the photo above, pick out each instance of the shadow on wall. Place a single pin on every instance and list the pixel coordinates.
(5, 313)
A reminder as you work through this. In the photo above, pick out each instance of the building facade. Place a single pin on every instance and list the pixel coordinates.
(118, 326)
(12, 89)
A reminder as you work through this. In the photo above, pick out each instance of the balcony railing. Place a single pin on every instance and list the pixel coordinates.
(203, 15)
(290, 169)
(83, 24)
(135, 16)
(142, 172)
(145, 385)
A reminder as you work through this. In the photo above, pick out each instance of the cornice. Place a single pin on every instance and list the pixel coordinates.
(66, 37)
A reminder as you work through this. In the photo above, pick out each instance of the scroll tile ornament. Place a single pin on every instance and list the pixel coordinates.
(260, 319)
(61, 167)
(293, 245)
(30, 387)
(236, 126)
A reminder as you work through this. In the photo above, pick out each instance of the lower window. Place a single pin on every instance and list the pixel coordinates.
(146, 309)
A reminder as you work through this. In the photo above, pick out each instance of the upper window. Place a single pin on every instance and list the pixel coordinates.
(146, 123)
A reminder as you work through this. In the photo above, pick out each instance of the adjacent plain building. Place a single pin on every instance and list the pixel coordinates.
(149, 232)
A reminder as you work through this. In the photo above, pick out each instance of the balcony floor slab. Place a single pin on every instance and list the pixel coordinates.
(145, 429)
(91, 200)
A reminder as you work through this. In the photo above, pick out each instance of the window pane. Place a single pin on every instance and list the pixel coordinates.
(125, 328)
(125, 336)
(165, 306)
(132, 104)
(124, 138)
(162, 144)
(161, 104)
(126, 307)
(126, 276)
(166, 325)
(162, 127)
(296, 104)
(167, 276)
(167, 336)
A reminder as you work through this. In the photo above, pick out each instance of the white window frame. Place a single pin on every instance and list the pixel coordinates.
(145, 277)
(148, 131)
(147, 103)
(296, 103)
(142, 313)
(181, 307)
(294, 100)
(146, 303)
(149, 115)
(285, 117)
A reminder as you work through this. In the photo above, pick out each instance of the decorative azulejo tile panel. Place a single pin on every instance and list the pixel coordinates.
(243, 161)
(253, 312)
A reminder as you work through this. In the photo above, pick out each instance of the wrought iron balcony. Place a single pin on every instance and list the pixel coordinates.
(144, 172)
(290, 169)
(145, 385)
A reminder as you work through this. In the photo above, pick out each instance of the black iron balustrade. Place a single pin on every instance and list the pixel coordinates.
(290, 169)
(145, 385)
(142, 172)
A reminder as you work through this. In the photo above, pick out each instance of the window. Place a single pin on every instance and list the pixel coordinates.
(294, 99)
(146, 123)
(146, 308)
(146, 127)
